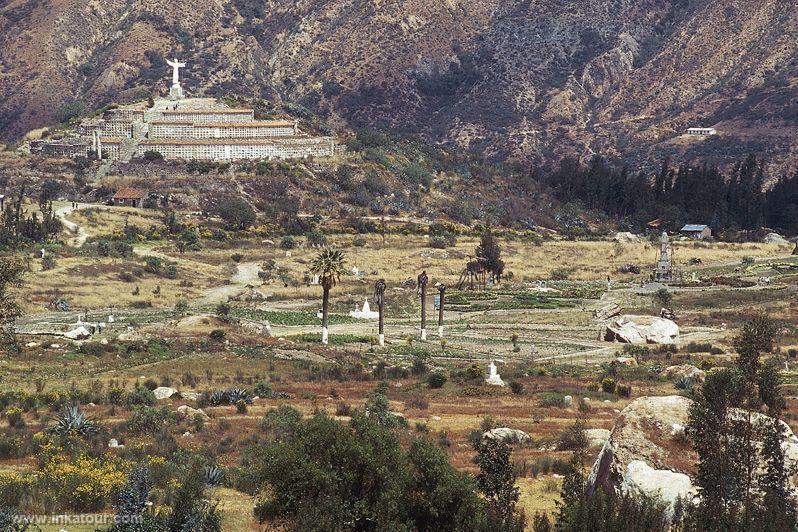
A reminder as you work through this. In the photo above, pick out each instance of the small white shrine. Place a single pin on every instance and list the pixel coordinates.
(365, 313)
(493, 378)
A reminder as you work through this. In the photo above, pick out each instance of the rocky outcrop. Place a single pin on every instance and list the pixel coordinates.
(192, 413)
(648, 453)
(164, 392)
(775, 238)
(596, 438)
(684, 371)
(642, 330)
(507, 435)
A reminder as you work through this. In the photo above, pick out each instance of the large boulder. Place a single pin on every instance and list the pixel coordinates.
(642, 330)
(606, 312)
(78, 333)
(643, 480)
(775, 238)
(164, 392)
(626, 238)
(191, 413)
(507, 435)
(647, 451)
(684, 371)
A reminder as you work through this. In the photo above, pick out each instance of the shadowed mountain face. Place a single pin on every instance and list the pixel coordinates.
(529, 80)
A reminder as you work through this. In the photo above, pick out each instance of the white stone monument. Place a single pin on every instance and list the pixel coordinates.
(365, 314)
(176, 91)
(494, 379)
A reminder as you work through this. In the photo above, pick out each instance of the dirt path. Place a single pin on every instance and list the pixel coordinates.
(246, 275)
(80, 234)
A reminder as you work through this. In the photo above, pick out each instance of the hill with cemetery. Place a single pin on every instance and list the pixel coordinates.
(532, 81)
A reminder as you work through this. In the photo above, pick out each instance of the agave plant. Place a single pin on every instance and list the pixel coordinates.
(72, 420)
(235, 395)
(213, 475)
(216, 398)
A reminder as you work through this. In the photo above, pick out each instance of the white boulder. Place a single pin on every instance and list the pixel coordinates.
(164, 392)
(664, 484)
(642, 330)
(78, 333)
(684, 371)
(626, 238)
(191, 413)
(775, 238)
(507, 435)
(646, 451)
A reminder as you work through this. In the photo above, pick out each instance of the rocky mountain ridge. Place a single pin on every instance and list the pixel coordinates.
(531, 80)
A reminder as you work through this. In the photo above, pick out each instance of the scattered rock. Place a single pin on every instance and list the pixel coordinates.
(684, 371)
(190, 396)
(32, 344)
(627, 361)
(187, 434)
(597, 437)
(507, 435)
(607, 311)
(626, 238)
(436, 418)
(567, 401)
(191, 413)
(113, 443)
(164, 392)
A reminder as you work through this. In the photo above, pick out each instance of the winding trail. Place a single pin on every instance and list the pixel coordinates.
(80, 234)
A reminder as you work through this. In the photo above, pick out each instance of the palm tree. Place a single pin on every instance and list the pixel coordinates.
(421, 288)
(379, 298)
(329, 265)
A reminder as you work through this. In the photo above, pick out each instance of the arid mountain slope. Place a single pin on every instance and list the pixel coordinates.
(533, 80)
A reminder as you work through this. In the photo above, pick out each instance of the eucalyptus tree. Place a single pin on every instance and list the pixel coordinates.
(379, 298)
(421, 289)
(329, 265)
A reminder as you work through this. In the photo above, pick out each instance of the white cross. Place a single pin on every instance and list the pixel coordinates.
(176, 66)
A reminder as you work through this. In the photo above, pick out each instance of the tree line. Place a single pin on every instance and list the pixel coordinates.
(726, 201)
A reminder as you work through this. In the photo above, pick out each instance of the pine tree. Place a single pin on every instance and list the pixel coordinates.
(489, 250)
(496, 480)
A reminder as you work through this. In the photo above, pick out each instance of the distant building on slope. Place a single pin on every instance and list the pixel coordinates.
(702, 131)
(129, 197)
(697, 231)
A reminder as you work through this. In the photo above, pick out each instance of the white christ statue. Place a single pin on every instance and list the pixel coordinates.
(176, 91)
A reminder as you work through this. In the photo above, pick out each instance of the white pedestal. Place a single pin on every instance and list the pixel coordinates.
(325, 335)
(440, 331)
(176, 92)
(382, 340)
(423, 334)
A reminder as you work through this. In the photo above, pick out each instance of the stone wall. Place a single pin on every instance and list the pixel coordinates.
(226, 150)
(239, 130)
(208, 116)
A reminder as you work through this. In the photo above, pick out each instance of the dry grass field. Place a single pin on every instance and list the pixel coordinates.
(546, 342)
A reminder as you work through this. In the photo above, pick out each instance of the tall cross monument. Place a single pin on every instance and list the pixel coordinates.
(176, 91)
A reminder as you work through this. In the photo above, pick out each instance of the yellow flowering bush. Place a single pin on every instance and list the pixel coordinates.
(13, 488)
(84, 484)
(14, 416)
